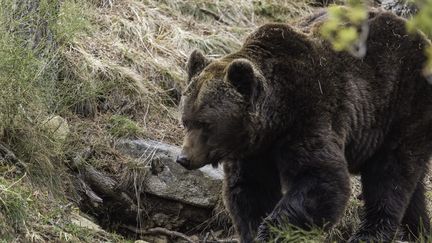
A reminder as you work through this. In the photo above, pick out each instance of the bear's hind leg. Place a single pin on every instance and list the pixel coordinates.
(416, 221)
(389, 180)
(252, 189)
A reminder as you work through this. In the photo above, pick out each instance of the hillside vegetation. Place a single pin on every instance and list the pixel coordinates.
(78, 74)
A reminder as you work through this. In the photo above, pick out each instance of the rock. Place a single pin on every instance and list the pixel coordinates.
(137, 148)
(84, 222)
(158, 239)
(194, 238)
(403, 8)
(57, 126)
(169, 180)
(149, 190)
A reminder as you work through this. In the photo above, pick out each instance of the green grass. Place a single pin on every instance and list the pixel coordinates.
(292, 234)
(24, 107)
(30, 214)
(14, 209)
(339, 233)
(121, 126)
(32, 194)
(73, 20)
(109, 72)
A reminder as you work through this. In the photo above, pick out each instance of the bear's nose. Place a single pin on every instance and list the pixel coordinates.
(183, 160)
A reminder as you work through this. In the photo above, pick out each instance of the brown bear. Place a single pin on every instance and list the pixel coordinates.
(290, 119)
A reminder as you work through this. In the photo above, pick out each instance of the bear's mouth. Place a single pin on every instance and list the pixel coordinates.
(185, 163)
(213, 159)
(190, 165)
(193, 167)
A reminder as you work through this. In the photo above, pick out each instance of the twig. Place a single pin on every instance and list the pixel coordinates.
(94, 198)
(10, 156)
(224, 241)
(214, 15)
(221, 241)
(159, 231)
(216, 240)
(15, 182)
(206, 237)
(77, 162)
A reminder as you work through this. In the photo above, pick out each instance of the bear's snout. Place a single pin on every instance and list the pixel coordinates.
(183, 161)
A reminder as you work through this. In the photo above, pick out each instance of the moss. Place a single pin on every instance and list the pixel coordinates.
(121, 126)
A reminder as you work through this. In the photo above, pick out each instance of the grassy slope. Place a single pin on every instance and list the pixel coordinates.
(111, 70)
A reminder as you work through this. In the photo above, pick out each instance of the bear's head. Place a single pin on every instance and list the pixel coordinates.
(217, 108)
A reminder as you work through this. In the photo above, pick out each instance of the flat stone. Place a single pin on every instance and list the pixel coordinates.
(167, 179)
(84, 222)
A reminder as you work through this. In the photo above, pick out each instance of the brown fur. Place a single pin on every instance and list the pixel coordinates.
(290, 118)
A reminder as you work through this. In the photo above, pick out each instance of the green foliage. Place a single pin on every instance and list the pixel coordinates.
(293, 234)
(24, 72)
(23, 107)
(29, 215)
(121, 126)
(343, 23)
(73, 20)
(29, 35)
(14, 207)
(22, 17)
(423, 21)
(74, 92)
(144, 41)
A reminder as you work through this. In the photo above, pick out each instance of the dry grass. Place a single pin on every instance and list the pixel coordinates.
(131, 61)
(134, 57)
(113, 68)
(28, 214)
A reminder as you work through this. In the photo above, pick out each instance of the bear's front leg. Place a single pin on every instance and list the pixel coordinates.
(318, 190)
(252, 189)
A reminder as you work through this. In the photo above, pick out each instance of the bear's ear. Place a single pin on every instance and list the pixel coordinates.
(196, 63)
(240, 74)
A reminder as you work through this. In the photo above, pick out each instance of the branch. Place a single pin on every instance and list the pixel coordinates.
(216, 240)
(94, 198)
(160, 231)
(10, 156)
